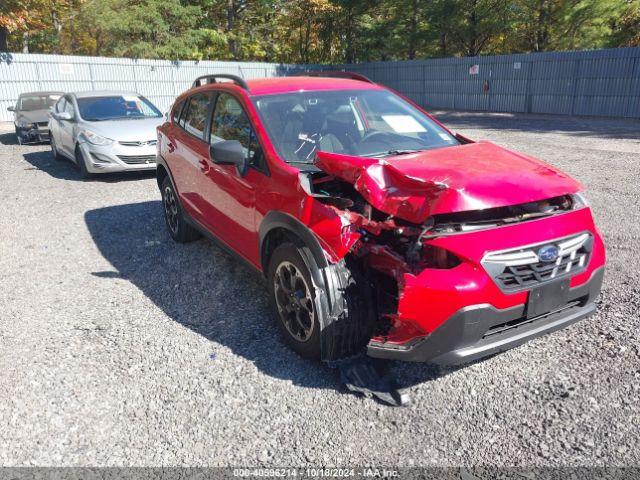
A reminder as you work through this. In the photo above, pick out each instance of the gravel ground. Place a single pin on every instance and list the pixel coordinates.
(119, 347)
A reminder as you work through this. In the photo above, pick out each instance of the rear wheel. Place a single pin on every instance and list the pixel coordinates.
(179, 228)
(82, 164)
(337, 324)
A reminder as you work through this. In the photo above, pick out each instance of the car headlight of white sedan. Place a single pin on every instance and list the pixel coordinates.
(95, 139)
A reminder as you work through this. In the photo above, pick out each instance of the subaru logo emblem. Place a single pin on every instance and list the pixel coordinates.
(548, 253)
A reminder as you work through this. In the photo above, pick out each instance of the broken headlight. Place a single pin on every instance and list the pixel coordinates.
(436, 257)
(579, 201)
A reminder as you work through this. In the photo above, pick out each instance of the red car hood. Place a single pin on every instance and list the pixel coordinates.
(453, 179)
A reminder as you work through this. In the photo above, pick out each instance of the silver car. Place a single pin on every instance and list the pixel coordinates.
(31, 115)
(105, 131)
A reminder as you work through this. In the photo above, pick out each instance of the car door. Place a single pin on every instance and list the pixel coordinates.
(54, 124)
(230, 194)
(66, 140)
(188, 154)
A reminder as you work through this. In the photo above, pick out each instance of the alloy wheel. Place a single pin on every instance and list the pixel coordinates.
(294, 302)
(171, 210)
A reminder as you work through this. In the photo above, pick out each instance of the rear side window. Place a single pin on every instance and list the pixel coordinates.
(195, 118)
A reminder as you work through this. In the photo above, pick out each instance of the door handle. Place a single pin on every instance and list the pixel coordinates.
(204, 165)
(171, 147)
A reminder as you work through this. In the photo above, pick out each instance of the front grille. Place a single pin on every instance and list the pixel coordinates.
(137, 159)
(521, 268)
(42, 124)
(139, 144)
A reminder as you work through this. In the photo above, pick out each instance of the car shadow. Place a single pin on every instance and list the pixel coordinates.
(8, 139)
(596, 127)
(209, 291)
(66, 170)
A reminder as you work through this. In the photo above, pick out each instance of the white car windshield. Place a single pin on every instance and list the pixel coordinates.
(116, 107)
(368, 123)
(31, 103)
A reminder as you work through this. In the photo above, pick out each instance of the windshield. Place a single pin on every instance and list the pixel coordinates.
(95, 109)
(361, 122)
(31, 103)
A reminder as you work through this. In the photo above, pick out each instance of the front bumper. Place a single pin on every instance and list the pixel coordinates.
(34, 135)
(455, 310)
(478, 331)
(118, 158)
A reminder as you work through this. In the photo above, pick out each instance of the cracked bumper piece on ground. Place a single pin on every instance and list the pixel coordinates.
(361, 374)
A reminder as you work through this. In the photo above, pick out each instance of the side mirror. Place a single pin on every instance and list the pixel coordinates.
(11, 108)
(229, 152)
(63, 116)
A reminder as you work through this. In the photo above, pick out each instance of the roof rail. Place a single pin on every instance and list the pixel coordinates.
(338, 74)
(213, 78)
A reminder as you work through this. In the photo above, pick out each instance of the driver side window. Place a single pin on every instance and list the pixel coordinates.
(61, 105)
(230, 122)
(68, 107)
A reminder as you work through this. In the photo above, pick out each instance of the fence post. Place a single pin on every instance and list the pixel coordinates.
(135, 74)
(576, 70)
(527, 99)
(38, 75)
(629, 109)
(173, 79)
(424, 87)
(93, 85)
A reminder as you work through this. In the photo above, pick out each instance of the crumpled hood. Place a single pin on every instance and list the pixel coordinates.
(142, 129)
(453, 179)
(33, 116)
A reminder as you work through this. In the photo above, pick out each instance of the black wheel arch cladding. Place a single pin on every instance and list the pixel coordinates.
(275, 220)
(332, 283)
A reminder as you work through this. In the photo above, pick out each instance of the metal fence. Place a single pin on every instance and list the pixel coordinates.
(158, 80)
(598, 82)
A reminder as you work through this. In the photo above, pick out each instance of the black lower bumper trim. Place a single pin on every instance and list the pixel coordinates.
(482, 330)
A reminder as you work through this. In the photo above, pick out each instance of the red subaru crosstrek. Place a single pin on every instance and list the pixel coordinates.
(376, 227)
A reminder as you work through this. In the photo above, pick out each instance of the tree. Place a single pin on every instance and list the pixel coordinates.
(138, 29)
(19, 17)
(626, 27)
(314, 31)
(477, 23)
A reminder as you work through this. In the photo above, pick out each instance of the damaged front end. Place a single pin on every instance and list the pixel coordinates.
(396, 222)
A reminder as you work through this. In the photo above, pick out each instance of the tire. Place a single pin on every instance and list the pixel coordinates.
(342, 319)
(19, 137)
(82, 165)
(54, 149)
(179, 229)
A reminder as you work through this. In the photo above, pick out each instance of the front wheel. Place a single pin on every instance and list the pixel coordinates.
(336, 324)
(179, 229)
(82, 164)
